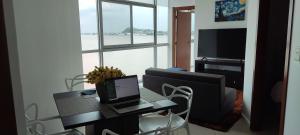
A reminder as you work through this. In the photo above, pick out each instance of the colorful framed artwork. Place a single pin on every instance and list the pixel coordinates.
(230, 10)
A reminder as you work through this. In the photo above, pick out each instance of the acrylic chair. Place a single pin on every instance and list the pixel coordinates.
(158, 131)
(71, 83)
(155, 132)
(75, 81)
(152, 121)
(35, 126)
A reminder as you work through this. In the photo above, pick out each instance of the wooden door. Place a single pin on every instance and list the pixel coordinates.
(182, 46)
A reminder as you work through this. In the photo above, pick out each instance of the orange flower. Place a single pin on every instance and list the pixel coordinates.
(99, 74)
(242, 1)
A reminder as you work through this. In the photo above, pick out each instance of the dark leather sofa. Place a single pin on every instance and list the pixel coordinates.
(211, 100)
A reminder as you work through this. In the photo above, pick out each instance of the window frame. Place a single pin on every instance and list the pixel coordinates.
(119, 47)
(100, 22)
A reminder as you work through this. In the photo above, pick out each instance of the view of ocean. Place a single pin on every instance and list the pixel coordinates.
(90, 42)
(133, 61)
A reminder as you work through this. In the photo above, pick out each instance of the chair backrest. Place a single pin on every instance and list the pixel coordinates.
(35, 108)
(159, 131)
(32, 128)
(33, 125)
(76, 80)
(108, 132)
(183, 92)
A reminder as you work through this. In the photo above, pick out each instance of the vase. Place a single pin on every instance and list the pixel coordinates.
(102, 92)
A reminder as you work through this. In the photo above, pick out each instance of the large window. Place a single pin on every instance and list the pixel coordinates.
(143, 24)
(145, 1)
(88, 24)
(90, 60)
(116, 23)
(162, 21)
(132, 62)
(131, 35)
(162, 55)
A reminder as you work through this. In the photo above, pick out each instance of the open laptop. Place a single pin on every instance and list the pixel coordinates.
(124, 95)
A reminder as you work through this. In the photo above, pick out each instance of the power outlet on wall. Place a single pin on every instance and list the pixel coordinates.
(297, 54)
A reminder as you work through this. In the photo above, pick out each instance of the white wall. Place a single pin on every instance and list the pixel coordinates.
(205, 17)
(252, 25)
(172, 4)
(292, 119)
(205, 20)
(205, 14)
(48, 36)
(181, 3)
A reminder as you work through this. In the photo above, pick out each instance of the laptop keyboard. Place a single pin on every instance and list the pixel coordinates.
(134, 103)
(151, 96)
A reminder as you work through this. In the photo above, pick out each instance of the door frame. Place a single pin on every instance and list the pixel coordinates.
(286, 67)
(259, 65)
(259, 77)
(6, 96)
(174, 30)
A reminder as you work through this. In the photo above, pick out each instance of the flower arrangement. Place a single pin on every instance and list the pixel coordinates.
(99, 74)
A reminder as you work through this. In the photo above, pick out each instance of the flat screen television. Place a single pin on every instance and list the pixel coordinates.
(222, 43)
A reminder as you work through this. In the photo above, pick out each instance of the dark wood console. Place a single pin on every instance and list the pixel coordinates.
(232, 70)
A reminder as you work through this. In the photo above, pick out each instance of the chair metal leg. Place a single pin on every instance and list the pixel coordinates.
(188, 129)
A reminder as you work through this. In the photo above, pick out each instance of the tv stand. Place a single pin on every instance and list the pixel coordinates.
(233, 70)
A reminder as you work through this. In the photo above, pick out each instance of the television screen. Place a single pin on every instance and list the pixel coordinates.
(222, 43)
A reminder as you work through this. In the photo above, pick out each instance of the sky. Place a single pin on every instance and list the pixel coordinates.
(116, 17)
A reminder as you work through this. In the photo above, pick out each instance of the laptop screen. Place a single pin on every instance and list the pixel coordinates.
(121, 88)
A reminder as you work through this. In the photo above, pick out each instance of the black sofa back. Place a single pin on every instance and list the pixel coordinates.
(209, 90)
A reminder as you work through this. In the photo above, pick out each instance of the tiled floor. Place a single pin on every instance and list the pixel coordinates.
(240, 128)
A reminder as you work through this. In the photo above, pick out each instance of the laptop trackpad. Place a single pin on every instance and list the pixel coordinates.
(130, 107)
(134, 108)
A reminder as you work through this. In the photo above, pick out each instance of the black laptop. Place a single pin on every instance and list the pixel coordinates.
(124, 95)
